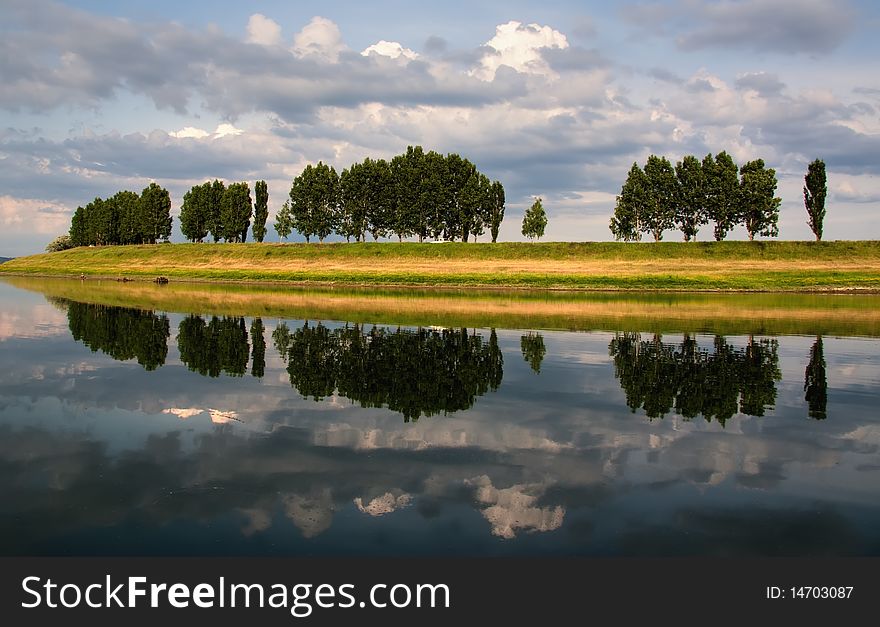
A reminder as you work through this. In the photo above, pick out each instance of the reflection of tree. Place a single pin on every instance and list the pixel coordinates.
(258, 353)
(533, 350)
(220, 345)
(416, 372)
(815, 382)
(122, 333)
(693, 381)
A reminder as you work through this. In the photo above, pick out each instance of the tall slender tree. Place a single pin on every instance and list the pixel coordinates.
(690, 207)
(215, 219)
(815, 191)
(759, 206)
(261, 210)
(235, 211)
(496, 209)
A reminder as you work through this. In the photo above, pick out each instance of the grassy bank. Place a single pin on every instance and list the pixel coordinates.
(784, 266)
(723, 314)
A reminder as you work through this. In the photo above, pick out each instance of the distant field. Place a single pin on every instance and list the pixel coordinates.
(746, 266)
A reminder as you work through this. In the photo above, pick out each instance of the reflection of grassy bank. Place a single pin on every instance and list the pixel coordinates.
(771, 314)
(666, 266)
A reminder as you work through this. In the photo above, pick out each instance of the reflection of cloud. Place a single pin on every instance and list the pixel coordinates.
(384, 504)
(312, 514)
(218, 417)
(513, 508)
(258, 520)
(437, 434)
(34, 322)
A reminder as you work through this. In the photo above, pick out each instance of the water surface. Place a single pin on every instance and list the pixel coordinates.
(139, 421)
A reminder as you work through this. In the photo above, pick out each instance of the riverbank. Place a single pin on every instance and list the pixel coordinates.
(715, 313)
(679, 266)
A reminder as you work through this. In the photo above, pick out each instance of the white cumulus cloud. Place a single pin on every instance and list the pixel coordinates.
(390, 49)
(519, 46)
(320, 37)
(263, 30)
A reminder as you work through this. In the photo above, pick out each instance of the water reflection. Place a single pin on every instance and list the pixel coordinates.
(533, 350)
(421, 372)
(120, 332)
(99, 456)
(815, 381)
(716, 383)
(214, 347)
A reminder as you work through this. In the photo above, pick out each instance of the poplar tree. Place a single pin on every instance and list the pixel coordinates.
(815, 191)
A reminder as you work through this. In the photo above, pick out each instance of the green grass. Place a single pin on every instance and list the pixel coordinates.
(750, 266)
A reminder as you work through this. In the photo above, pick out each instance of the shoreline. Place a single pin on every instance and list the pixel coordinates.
(470, 287)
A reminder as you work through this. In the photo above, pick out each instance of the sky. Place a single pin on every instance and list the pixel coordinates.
(554, 99)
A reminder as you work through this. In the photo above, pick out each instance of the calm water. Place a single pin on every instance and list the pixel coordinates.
(130, 431)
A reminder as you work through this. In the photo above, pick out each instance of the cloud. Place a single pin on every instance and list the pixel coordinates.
(390, 49)
(519, 46)
(319, 38)
(785, 26)
(263, 30)
(764, 83)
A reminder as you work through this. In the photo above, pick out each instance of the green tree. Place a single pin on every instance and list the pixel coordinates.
(633, 201)
(496, 209)
(759, 207)
(78, 235)
(815, 191)
(816, 382)
(235, 211)
(534, 220)
(284, 221)
(261, 210)
(533, 350)
(722, 193)
(380, 210)
(195, 213)
(690, 212)
(406, 170)
(155, 213)
(660, 213)
(215, 200)
(434, 198)
(127, 204)
(314, 201)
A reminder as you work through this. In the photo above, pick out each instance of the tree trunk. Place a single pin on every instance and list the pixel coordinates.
(751, 236)
(307, 239)
(657, 236)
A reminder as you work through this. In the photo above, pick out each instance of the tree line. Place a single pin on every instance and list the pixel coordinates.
(421, 372)
(687, 196)
(416, 194)
(124, 218)
(224, 211)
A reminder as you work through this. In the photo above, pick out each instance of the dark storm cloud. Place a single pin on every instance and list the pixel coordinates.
(787, 26)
